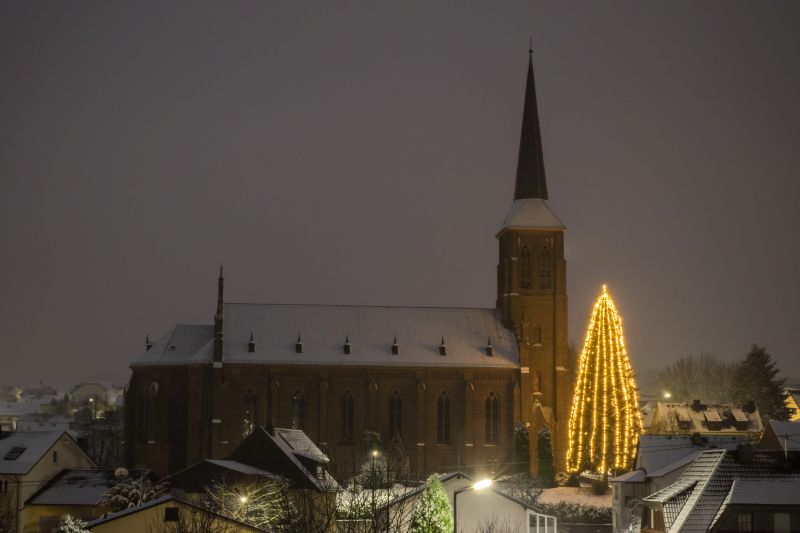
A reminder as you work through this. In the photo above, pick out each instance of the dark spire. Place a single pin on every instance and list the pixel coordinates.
(531, 182)
(218, 319)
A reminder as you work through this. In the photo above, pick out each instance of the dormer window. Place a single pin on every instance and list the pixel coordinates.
(346, 346)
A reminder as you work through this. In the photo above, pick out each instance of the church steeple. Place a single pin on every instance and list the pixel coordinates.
(531, 182)
(219, 318)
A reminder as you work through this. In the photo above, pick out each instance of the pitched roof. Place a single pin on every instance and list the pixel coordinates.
(323, 328)
(696, 500)
(660, 452)
(531, 213)
(289, 453)
(681, 418)
(21, 450)
(765, 492)
(162, 500)
(789, 430)
(79, 487)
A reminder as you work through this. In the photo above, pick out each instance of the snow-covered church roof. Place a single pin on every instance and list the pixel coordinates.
(370, 330)
(531, 213)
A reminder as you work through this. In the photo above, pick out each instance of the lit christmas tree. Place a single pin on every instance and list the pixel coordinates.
(604, 421)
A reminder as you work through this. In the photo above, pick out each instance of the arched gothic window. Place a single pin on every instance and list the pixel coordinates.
(545, 265)
(492, 418)
(249, 418)
(525, 268)
(298, 409)
(148, 416)
(395, 414)
(347, 417)
(443, 419)
(536, 335)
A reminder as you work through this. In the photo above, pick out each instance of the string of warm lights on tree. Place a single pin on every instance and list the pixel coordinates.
(604, 422)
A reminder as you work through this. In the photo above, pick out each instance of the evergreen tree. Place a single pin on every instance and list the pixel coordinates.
(432, 512)
(755, 379)
(547, 472)
(604, 422)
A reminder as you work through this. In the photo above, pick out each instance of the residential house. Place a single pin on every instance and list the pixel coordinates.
(269, 454)
(793, 402)
(717, 493)
(702, 419)
(77, 492)
(28, 460)
(487, 509)
(660, 460)
(168, 514)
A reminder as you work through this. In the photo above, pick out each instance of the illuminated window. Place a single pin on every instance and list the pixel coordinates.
(443, 419)
(545, 265)
(347, 417)
(249, 419)
(298, 409)
(744, 522)
(395, 414)
(492, 418)
(525, 268)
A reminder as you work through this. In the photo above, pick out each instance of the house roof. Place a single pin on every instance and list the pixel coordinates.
(791, 430)
(79, 487)
(289, 453)
(323, 328)
(680, 418)
(162, 500)
(666, 452)
(200, 475)
(531, 213)
(21, 450)
(765, 492)
(696, 500)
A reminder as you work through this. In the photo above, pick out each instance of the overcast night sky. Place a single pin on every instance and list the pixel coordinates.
(363, 153)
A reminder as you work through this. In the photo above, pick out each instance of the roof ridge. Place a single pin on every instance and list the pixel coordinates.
(364, 305)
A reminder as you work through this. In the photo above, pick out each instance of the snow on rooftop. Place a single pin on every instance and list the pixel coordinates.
(323, 328)
(21, 450)
(531, 213)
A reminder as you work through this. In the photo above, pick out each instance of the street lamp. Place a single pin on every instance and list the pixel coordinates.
(478, 485)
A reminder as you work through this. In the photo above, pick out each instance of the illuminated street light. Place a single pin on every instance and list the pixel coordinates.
(478, 485)
(667, 395)
(242, 499)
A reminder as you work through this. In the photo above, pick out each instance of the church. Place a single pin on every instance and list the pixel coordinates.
(437, 389)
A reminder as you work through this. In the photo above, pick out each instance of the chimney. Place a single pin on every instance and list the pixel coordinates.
(395, 346)
(750, 406)
(298, 346)
(251, 346)
(744, 453)
(696, 405)
(489, 347)
(443, 348)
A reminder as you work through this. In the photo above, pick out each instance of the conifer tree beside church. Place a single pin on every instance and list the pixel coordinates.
(604, 422)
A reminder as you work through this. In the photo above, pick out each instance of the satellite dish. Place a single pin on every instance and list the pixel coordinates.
(121, 472)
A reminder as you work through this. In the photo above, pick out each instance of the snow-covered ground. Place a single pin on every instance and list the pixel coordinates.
(581, 495)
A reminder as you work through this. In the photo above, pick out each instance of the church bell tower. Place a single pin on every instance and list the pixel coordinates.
(532, 290)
